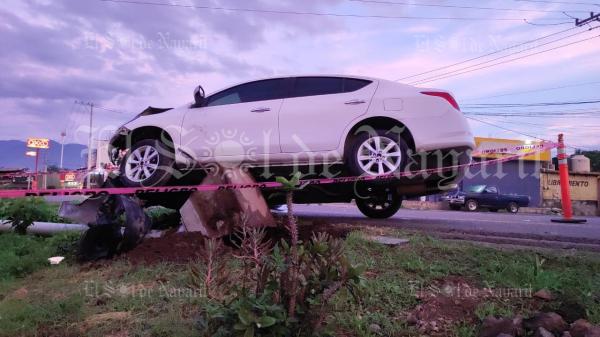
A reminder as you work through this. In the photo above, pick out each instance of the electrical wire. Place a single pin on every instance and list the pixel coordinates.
(517, 105)
(465, 7)
(561, 2)
(522, 133)
(502, 57)
(488, 54)
(507, 61)
(515, 93)
(274, 11)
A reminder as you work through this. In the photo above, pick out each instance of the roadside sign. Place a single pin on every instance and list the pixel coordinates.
(38, 143)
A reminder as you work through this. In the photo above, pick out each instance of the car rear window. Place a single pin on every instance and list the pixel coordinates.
(312, 86)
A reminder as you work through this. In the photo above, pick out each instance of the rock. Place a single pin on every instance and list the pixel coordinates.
(544, 294)
(579, 328)
(375, 328)
(541, 332)
(566, 334)
(492, 327)
(550, 321)
(593, 332)
(571, 310)
(216, 213)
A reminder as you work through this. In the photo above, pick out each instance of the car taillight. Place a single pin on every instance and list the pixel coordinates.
(443, 95)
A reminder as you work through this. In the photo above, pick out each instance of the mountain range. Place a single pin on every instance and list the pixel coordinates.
(12, 155)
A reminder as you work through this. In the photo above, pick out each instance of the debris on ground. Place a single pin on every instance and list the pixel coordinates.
(388, 240)
(56, 259)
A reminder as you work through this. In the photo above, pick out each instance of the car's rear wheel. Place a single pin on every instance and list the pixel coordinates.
(472, 205)
(148, 163)
(376, 152)
(380, 206)
(512, 207)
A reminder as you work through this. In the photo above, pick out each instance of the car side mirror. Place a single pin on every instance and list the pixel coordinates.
(199, 96)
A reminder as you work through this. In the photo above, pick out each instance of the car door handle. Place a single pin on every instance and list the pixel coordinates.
(258, 110)
(355, 102)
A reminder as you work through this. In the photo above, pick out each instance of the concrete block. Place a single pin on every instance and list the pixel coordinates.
(217, 213)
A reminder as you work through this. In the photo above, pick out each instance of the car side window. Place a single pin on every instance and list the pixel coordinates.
(491, 190)
(354, 84)
(313, 86)
(250, 92)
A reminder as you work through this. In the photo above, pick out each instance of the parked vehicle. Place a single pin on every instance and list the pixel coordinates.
(364, 126)
(478, 196)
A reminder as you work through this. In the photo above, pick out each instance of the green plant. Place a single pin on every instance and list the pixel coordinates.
(256, 302)
(23, 254)
(22, 212)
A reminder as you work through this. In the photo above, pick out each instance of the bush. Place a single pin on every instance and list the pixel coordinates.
(23, 254)
(258, 301)
(22, 212)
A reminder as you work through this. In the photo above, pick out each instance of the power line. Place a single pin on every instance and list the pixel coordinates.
(506, 129)
(485, 55)
(511, 60)
(516, 105)
(561, 2)
(274, 11)
(500, 57)
(532, 91)
(464, 7)
(522, 133)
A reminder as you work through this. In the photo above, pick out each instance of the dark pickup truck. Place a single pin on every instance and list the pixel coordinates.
(477, 196)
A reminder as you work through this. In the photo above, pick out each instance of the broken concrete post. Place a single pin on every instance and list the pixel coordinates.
(216, 213)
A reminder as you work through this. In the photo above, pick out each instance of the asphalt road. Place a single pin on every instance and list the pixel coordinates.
(531, 227)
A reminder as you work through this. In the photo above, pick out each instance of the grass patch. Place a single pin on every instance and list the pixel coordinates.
(60, 299)
(21, 255)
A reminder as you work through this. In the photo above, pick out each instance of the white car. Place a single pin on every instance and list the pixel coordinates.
(365, 126)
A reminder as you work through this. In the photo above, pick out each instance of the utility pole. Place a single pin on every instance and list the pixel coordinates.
(62, 147)
(89, 154)
(593, 17)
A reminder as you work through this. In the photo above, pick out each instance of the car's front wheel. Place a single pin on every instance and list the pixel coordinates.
(380, 206)
(148, 163)
(376, 153)
(472, 205)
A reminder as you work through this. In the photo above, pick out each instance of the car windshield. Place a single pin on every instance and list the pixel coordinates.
(476, 188)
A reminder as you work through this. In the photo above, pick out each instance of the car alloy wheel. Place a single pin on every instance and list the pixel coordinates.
(513, 207)
(379, 155)
(142, 163)
(472, 205)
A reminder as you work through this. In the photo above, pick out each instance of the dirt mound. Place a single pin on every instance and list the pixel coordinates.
(182, 248)
(175, 248)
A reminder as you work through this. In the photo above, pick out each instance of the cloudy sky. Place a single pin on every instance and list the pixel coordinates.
(124, 56)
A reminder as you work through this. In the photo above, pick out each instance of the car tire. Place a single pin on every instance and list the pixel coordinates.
(471, 205)
(148, 163)
(384, 161)
(380, 207)
(512, 207)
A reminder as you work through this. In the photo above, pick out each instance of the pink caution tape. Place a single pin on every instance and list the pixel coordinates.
(95, 192)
